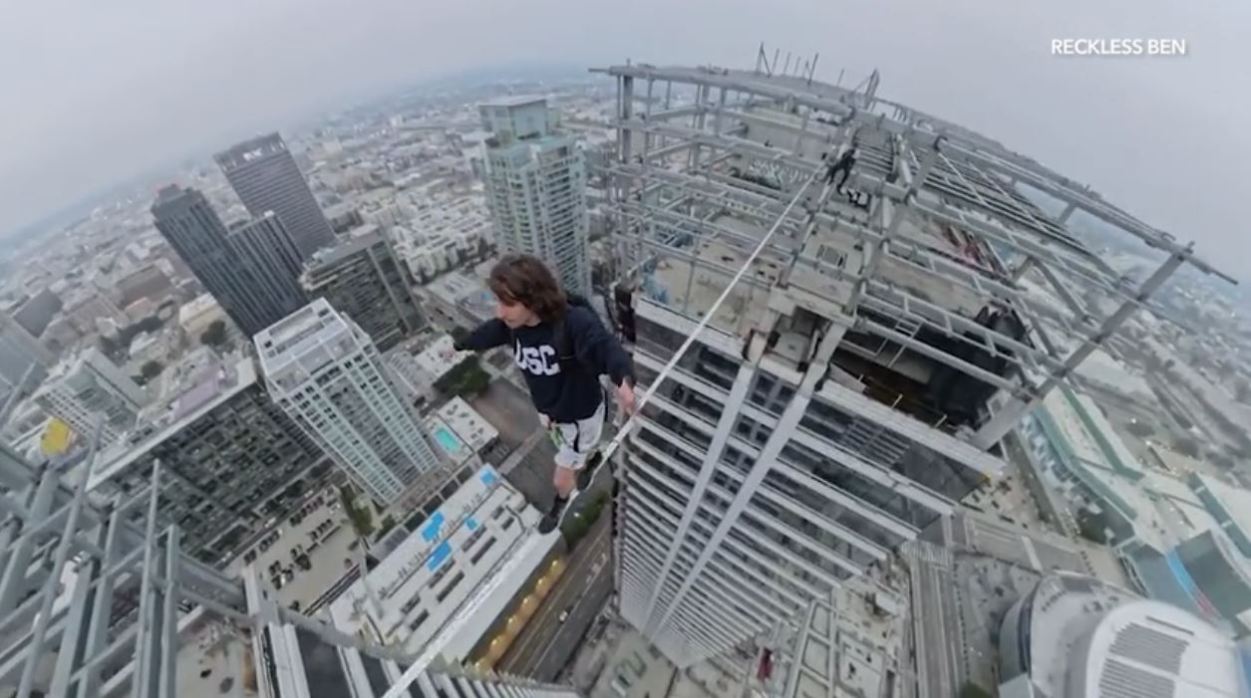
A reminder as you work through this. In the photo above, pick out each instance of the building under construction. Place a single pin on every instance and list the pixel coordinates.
(836, 308)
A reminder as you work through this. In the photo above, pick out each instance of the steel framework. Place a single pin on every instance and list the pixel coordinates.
(935, 259)
(96, 601)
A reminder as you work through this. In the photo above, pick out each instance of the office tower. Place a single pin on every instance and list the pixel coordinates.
(264, 175)
(24, 361)
(536, 188)
(324, 371)
(248, 269)
(861, 348)
(362, 278)
(148, 620)
(231, 457)
(88, 388)
(265, 248)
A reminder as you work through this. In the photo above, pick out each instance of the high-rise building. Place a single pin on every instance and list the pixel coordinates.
(858, 348)
(24, 361)
(362, 277)
(250, 269)
(327, 374)
(88, 388)
(264, 175)
(266, 250)
(229, 455)
(536, 188)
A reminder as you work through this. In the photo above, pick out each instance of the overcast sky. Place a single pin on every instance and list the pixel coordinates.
(97, 92)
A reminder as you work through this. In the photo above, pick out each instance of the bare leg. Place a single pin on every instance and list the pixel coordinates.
(564, 479)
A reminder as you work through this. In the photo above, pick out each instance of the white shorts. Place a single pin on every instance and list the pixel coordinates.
(576, 441)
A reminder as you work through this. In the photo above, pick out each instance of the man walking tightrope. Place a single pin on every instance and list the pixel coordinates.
(562, 349)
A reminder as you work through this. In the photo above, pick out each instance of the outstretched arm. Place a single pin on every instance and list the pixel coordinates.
(490, 334)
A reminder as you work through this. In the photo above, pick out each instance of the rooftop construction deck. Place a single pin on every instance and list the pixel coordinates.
(920, 259)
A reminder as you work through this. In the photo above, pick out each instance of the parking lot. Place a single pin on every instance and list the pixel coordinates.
(305, 554)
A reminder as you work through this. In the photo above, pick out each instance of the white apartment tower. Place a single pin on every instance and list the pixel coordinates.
(536, 188)
(89, 387)
(326, 373)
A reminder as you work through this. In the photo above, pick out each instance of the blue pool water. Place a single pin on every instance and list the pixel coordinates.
(447, 440)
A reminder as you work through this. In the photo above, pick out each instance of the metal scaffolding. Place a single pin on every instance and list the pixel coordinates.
(923, 175)
(95, 600)
(927, 266)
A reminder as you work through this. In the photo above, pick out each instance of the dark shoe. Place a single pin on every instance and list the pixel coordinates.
(551, 519)
(587, 473)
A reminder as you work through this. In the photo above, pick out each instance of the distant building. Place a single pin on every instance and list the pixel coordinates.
(265, 176)
(457, 299)
(362, 277)
(344, 217)
(536, 188)
(36, 312)
(456, 547)
(146, 282)
(86, 312)
(329, 377)
(1075, 636)
(228, 457)
(90, 387)
(198, 314)
(443, 234)
(439, 358)
(459, 431)
(249, 269)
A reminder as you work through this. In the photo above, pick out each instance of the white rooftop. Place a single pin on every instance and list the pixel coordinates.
(1144, 644)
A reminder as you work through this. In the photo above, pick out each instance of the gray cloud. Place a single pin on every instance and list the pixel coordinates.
(97, 92)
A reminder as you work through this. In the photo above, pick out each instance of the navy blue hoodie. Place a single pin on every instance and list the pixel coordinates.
(566, 390)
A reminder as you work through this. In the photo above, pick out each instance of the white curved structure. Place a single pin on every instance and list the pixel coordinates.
(1077, 637)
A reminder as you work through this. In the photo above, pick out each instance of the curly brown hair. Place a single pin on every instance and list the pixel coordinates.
(525, 279)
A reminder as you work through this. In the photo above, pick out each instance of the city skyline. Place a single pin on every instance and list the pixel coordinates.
(1081, 116)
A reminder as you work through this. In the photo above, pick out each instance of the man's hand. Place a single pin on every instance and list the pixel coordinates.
(625, 397)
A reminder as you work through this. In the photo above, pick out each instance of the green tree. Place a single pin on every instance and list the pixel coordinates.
(151, 370)
(973, 690)
(576, 527)
(466, 379)
(388, 523)
(214, 335)
(361, 517)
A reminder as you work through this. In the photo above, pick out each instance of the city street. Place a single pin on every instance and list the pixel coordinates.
(546, 644)
(935, 622)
